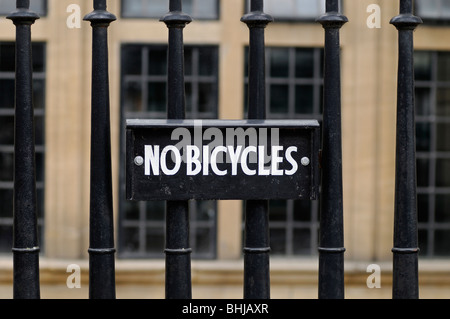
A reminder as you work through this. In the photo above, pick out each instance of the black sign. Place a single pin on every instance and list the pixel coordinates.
(222, 159)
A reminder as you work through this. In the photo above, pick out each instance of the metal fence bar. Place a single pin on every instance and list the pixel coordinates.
(257, 240)
(405, 251)
(25, 235)
(331, 247)
(178, 251)
(101, 231)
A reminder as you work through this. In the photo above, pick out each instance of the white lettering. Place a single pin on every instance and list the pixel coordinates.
(291, 160)
(214, 167)
(244, 156)
(261, 169)
(234, 157)
(151, 159)
(193, 155)
(276, 159)
(205, 160)
(177, 161)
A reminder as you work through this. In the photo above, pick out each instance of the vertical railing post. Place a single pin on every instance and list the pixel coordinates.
(25, 235)
(331, 245)
(177, 250)
(257, 239)
(405, 250)
(101, 225)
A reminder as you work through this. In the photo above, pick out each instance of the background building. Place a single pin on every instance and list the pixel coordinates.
(215, 50)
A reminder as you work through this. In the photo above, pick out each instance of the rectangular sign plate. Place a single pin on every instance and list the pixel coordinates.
(222, 159)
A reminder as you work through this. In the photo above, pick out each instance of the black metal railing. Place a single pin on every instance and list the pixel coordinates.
(178, 250)
(256, 242)
(405, 282)
(257, 239)
(25, 236)
(331, 239)
(101, 226)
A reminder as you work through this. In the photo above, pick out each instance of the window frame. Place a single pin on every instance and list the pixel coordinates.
(195, 112)
(434, 21)
(291, 19)
(289, 225)
(427, 193)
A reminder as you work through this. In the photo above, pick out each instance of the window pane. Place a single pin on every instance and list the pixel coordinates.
(442, 240)
(207, 61)
(6, 208)
(302, 210)
(277, 241)
(277, 210)
(157, 61)
(7, 94)
(423, 131)
(444, 66)
(6, 130)
(443, 172)
(442, 208)
(302, 241)
(198, 9)
(206, 210)
(155, 210)
(155, 240)
(279, 62)
(422, 65)
(304, 99)
(422, 205)
(156, 97)
(279, 98)
(423, 172)
(293, 9)
(132, 97)
(207, 97)
(131, 239)
(144, 90)
(131, 210)
(8, 6)
(423, 242)
(433, 9)
(304, 63)
(131, 59)
(7, 58)
(423, 101)
(443, 137)
(443, 102)
(6, 235)
(203, 241)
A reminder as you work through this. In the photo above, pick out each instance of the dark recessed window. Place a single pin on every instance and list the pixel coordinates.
(433, 11)
(7, 80)
(144, 95)
(294, 86)
(432, 100)
(38, 6)
(292, 10)
(155, 9)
